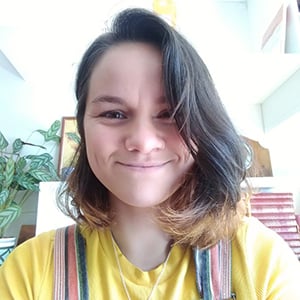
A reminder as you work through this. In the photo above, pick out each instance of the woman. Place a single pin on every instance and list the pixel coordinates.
(156, 188)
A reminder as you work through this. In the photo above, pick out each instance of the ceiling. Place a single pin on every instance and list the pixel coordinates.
(252, 78)
(49, 44)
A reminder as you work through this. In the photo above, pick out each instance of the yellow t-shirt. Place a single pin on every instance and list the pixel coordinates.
(263, 267)
(179, 272)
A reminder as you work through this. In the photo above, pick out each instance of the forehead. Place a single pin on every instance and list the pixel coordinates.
(128, 69)
(128, 56)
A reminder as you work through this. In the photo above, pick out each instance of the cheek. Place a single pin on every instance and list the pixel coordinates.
(101, 143)
(95, 140)
(177, 144)
(188, 162)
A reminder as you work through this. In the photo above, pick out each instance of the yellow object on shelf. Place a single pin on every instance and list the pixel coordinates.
(166, 9)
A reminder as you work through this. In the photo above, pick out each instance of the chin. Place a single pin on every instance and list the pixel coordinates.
(145, 203)
(143, 196)
(142, 201)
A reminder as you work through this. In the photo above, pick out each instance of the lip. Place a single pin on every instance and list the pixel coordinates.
(143, 165)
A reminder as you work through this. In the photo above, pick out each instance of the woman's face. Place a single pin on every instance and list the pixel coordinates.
(133, 146)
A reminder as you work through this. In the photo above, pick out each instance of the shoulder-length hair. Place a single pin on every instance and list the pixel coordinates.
(205, 208)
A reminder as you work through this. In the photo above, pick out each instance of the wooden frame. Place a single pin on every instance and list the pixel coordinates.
(68, 145)
(261, 162)
(273, 39)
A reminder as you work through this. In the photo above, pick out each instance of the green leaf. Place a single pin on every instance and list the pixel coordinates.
(56, 139)
(50, 134)
(2, 177)
(20, 164)
(73, 136)
(54, 128)
(3, 142)
(39, 160)
(45, 156)
(28, 182)
(52, 170)
(8, 215)
(9, 172)
(42, 132)
(3, 197)
(17, 146)
(41, 175)
(2, 164)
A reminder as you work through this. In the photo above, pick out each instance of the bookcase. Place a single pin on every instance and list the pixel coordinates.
(276, 211)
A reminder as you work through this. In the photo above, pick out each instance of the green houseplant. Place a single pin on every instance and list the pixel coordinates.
(21, 173)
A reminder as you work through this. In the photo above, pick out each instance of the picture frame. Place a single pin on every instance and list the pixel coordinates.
(68, 146)
(274, 36)
(260, 162)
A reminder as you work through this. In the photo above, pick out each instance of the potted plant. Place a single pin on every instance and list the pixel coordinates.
(21, 171)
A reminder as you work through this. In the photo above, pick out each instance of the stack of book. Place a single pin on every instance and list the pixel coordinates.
(276, 211)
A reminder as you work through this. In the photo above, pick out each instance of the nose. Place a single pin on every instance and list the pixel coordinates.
(144, 137)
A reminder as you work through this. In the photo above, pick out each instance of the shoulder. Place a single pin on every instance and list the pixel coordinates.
(37, 249)
(43, 241)
(252, 228)
(27, 271)
(265, 261)
(253, 233)
(258, 240)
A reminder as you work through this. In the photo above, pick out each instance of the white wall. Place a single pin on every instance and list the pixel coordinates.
(281, 114)
(274, 112)
(15, 96)
(283, 142)
(216, 28)
(261, 14)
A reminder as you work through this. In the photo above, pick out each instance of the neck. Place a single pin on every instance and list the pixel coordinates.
(138, 236)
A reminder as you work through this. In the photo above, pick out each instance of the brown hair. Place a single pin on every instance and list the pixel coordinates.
(205, 208)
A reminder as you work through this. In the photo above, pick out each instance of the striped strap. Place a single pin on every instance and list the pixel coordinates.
(70, 277)
(213, 268)
(213, 271)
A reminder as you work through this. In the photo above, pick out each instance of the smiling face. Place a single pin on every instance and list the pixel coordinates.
(133, 146)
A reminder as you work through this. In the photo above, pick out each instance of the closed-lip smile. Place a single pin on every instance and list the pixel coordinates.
(143, 165)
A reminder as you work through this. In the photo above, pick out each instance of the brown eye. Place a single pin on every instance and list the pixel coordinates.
(166, 114)
(113, 115)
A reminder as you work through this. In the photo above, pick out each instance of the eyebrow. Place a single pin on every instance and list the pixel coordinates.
(109, 99)
(118, 100)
